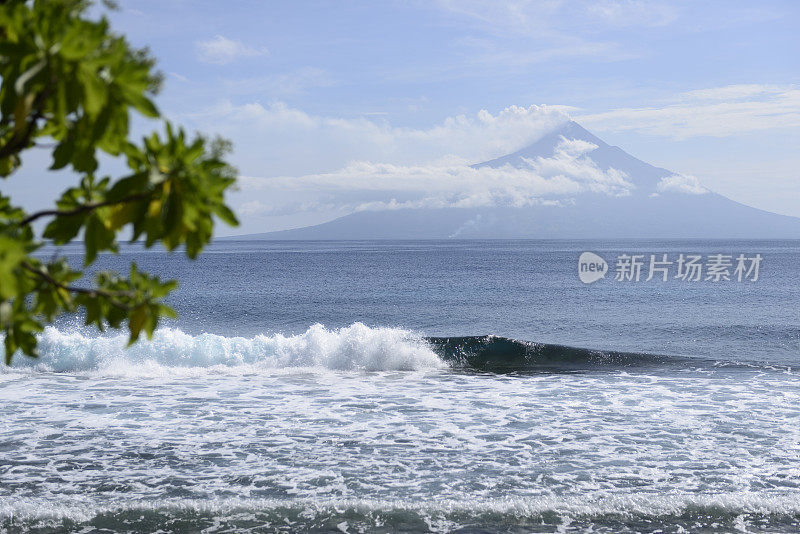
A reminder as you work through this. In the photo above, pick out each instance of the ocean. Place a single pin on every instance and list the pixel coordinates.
(419, 386)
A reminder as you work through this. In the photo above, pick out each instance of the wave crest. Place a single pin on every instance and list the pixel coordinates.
(355, 347)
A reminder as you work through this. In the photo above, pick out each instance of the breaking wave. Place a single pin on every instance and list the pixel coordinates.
(353, 348)
(356, 347)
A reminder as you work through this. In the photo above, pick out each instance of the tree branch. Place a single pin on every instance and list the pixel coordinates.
(110, 295)
(20, 141)
(80, 209)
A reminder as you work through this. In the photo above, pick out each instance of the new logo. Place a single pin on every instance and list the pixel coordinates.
(591, 267)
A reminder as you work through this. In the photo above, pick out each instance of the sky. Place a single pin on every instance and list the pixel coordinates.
(332, 105)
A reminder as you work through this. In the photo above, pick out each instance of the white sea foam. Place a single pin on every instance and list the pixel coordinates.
(355, 347)
(745, 503)
(396, 449)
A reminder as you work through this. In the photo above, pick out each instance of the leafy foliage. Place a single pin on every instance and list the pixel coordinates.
(69, 80)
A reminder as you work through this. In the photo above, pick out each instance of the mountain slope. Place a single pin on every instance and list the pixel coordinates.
(648, 211)
(644, 175)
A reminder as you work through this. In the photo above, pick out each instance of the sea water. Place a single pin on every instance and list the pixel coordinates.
(417, 386)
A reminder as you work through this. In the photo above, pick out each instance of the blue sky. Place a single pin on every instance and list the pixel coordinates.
(707, 89)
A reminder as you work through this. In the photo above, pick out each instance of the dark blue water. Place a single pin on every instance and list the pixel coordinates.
(527, 290)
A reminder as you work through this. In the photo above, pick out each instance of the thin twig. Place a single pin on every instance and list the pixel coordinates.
(81, 290)
(80, 209)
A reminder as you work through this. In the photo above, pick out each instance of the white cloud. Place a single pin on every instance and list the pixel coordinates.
(220, 50)
(390, 167)
(541, 181)
(289, 141)
(714, 112)
(681, 183)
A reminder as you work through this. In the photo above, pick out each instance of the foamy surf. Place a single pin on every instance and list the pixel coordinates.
(624, 513)
(353, 348)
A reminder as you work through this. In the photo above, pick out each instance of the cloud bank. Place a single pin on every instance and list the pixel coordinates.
(553, 180)
(290, 141)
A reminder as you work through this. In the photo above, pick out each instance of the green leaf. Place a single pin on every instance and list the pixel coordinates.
(12, 253)
(227, 215)
(136, 322)
(62, 230)
(95, 91)
(63, 153)
(143, 105)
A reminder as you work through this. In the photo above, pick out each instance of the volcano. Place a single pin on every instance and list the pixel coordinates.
(659, 205)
